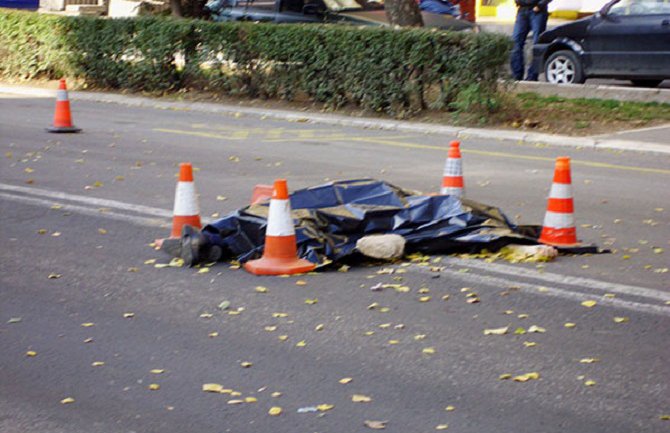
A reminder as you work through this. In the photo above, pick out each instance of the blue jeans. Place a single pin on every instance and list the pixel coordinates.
(526, 21)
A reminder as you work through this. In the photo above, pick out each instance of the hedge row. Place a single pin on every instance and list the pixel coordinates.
(381, 69)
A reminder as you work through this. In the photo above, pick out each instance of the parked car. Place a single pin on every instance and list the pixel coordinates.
(627, 39)
(367, 12)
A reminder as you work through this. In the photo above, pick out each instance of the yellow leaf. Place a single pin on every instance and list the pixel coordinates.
(301, 283)
(213, 334)
(325, 407)
(360, 398)
(664, 417)
(609, 295)
(526, 377)
(536, 329)
(97, 364)
(419, 337)
(88, 324)
(212, 387)
(261, 289)
(270, 328)
(428, 350)
(621, 319)
(311, 301)
(375, 425)
(496, 331)
(505, 376)
(588, 360)
(102, 231)
(393, 342)
(445, 297)
(220, 198)
(154, 387)
(569, 325)
(589, 304)
(345, 380)
(246, 364)
(88, 340)
(301, 343)
(441, 427)
(529, 344)
(319, 327)
(203, 270)
(176, 262)
(472, 300)
(450, 408)
(128, 315)
(424, 299)
(206, 315)
(250, 400)
(275, 411)
(157, 371)
(235, 401)
(590, 382)
(279, 315)
(54, 276)
(283, 337)
(31, 353)
(67, 400)
(150, 262)
(232, 393)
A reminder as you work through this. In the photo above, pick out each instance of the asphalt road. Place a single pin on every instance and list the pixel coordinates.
(84, 208)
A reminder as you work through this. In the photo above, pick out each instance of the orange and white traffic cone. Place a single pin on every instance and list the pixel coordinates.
(62, 115)
(186, 208)
(559, 223)
(280, 255)
(452, 179)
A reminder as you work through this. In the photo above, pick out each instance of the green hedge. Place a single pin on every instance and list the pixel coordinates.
(382, 69)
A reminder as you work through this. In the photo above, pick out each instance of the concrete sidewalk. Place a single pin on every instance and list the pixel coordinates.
(645, 140)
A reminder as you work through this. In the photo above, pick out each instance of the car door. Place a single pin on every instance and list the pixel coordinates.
(631, 39)
(254, 10)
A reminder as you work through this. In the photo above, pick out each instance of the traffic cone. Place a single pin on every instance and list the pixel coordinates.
(559, 222)
(452, 179)
(62, 116)
(280, 255)
(186, 208)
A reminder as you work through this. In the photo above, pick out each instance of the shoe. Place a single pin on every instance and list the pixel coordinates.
(196, 249)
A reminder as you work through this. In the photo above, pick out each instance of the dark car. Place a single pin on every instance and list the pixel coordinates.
(320, 11)
(20, 4)
(627, 39)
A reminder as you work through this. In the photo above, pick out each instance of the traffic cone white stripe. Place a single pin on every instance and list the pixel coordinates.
(559, 220)
(61, 95)
(453, 167)
(560, 190)
(451, 191)
(280, 222)
(185, 202)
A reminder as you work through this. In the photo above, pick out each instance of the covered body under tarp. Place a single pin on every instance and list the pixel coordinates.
(330, 218)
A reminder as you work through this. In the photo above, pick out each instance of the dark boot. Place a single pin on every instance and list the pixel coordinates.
(196, 249)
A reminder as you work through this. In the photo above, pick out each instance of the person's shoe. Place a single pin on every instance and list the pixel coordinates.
(192, 243)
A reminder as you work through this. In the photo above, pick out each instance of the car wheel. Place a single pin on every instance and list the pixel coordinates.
(564, 67)
(646, 83)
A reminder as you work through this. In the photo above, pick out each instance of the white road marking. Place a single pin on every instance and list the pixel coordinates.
(142, 215)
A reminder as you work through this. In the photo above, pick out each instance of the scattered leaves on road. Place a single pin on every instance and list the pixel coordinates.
(589, 304)
(360, 398)
(275, 411)
(375, 425)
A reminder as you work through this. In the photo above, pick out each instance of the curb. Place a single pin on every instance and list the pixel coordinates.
(366, 123)
(593, 91)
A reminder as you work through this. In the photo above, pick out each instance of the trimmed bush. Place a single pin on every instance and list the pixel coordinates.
(397, 71)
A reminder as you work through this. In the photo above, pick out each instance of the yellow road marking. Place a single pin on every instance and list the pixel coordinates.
(514, 156)
(387, 142)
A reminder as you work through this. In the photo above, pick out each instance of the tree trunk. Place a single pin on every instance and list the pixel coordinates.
(404, 13)
(175, 6)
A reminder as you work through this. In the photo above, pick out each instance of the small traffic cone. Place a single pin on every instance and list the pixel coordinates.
(280, 255)
(559, 222)
(186, 208)
(452, 179)
(62, 116)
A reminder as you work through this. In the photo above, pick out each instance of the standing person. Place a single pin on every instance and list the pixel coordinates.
(532, 16)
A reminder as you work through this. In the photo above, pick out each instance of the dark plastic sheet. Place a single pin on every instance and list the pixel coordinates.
(330, 219)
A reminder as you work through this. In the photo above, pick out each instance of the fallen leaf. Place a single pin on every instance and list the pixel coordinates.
(325, 407)
(220, 198)
(102, 231)
(246, 364)
(589, 304)
(375, 425)
(441, 427)
(88, 324)
(345, 380)
(279, 315)
(621, 319)
(128, 315)
(235, 401)
(319, 327)
(203, 270)
(270, 328)
(664, 417)
(519, 331)
(157, 371)
(529, 343)
(505, 376)
(213, 334)
(275, 411)
(261, 289)
(393, 342)
(311, 301)
(428, 350)
(31, 353)
(88, 340)
(224, 305)
(206, 315)
(496, 331)
(212, 387)
(54, 276)
(67, 400)
(275, 394)
(569, 325)
(301, 343)
(250, 400)
(97, 364)
(301, 283)
(283, 337)
(526, 377)
(14, 320)
(590, 383)
(450, 408)
(154, 387)
(588, 360)
(424, 299)
(360, 398)
(536, 329)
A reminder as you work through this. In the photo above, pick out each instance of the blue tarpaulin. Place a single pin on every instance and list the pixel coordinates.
(330, 218)
(20, 4)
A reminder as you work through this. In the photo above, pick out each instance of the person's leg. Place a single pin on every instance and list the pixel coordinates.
(521, 29)
(538, 24)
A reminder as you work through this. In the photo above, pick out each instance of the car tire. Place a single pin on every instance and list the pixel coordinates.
(646, 83)
(564, 67)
